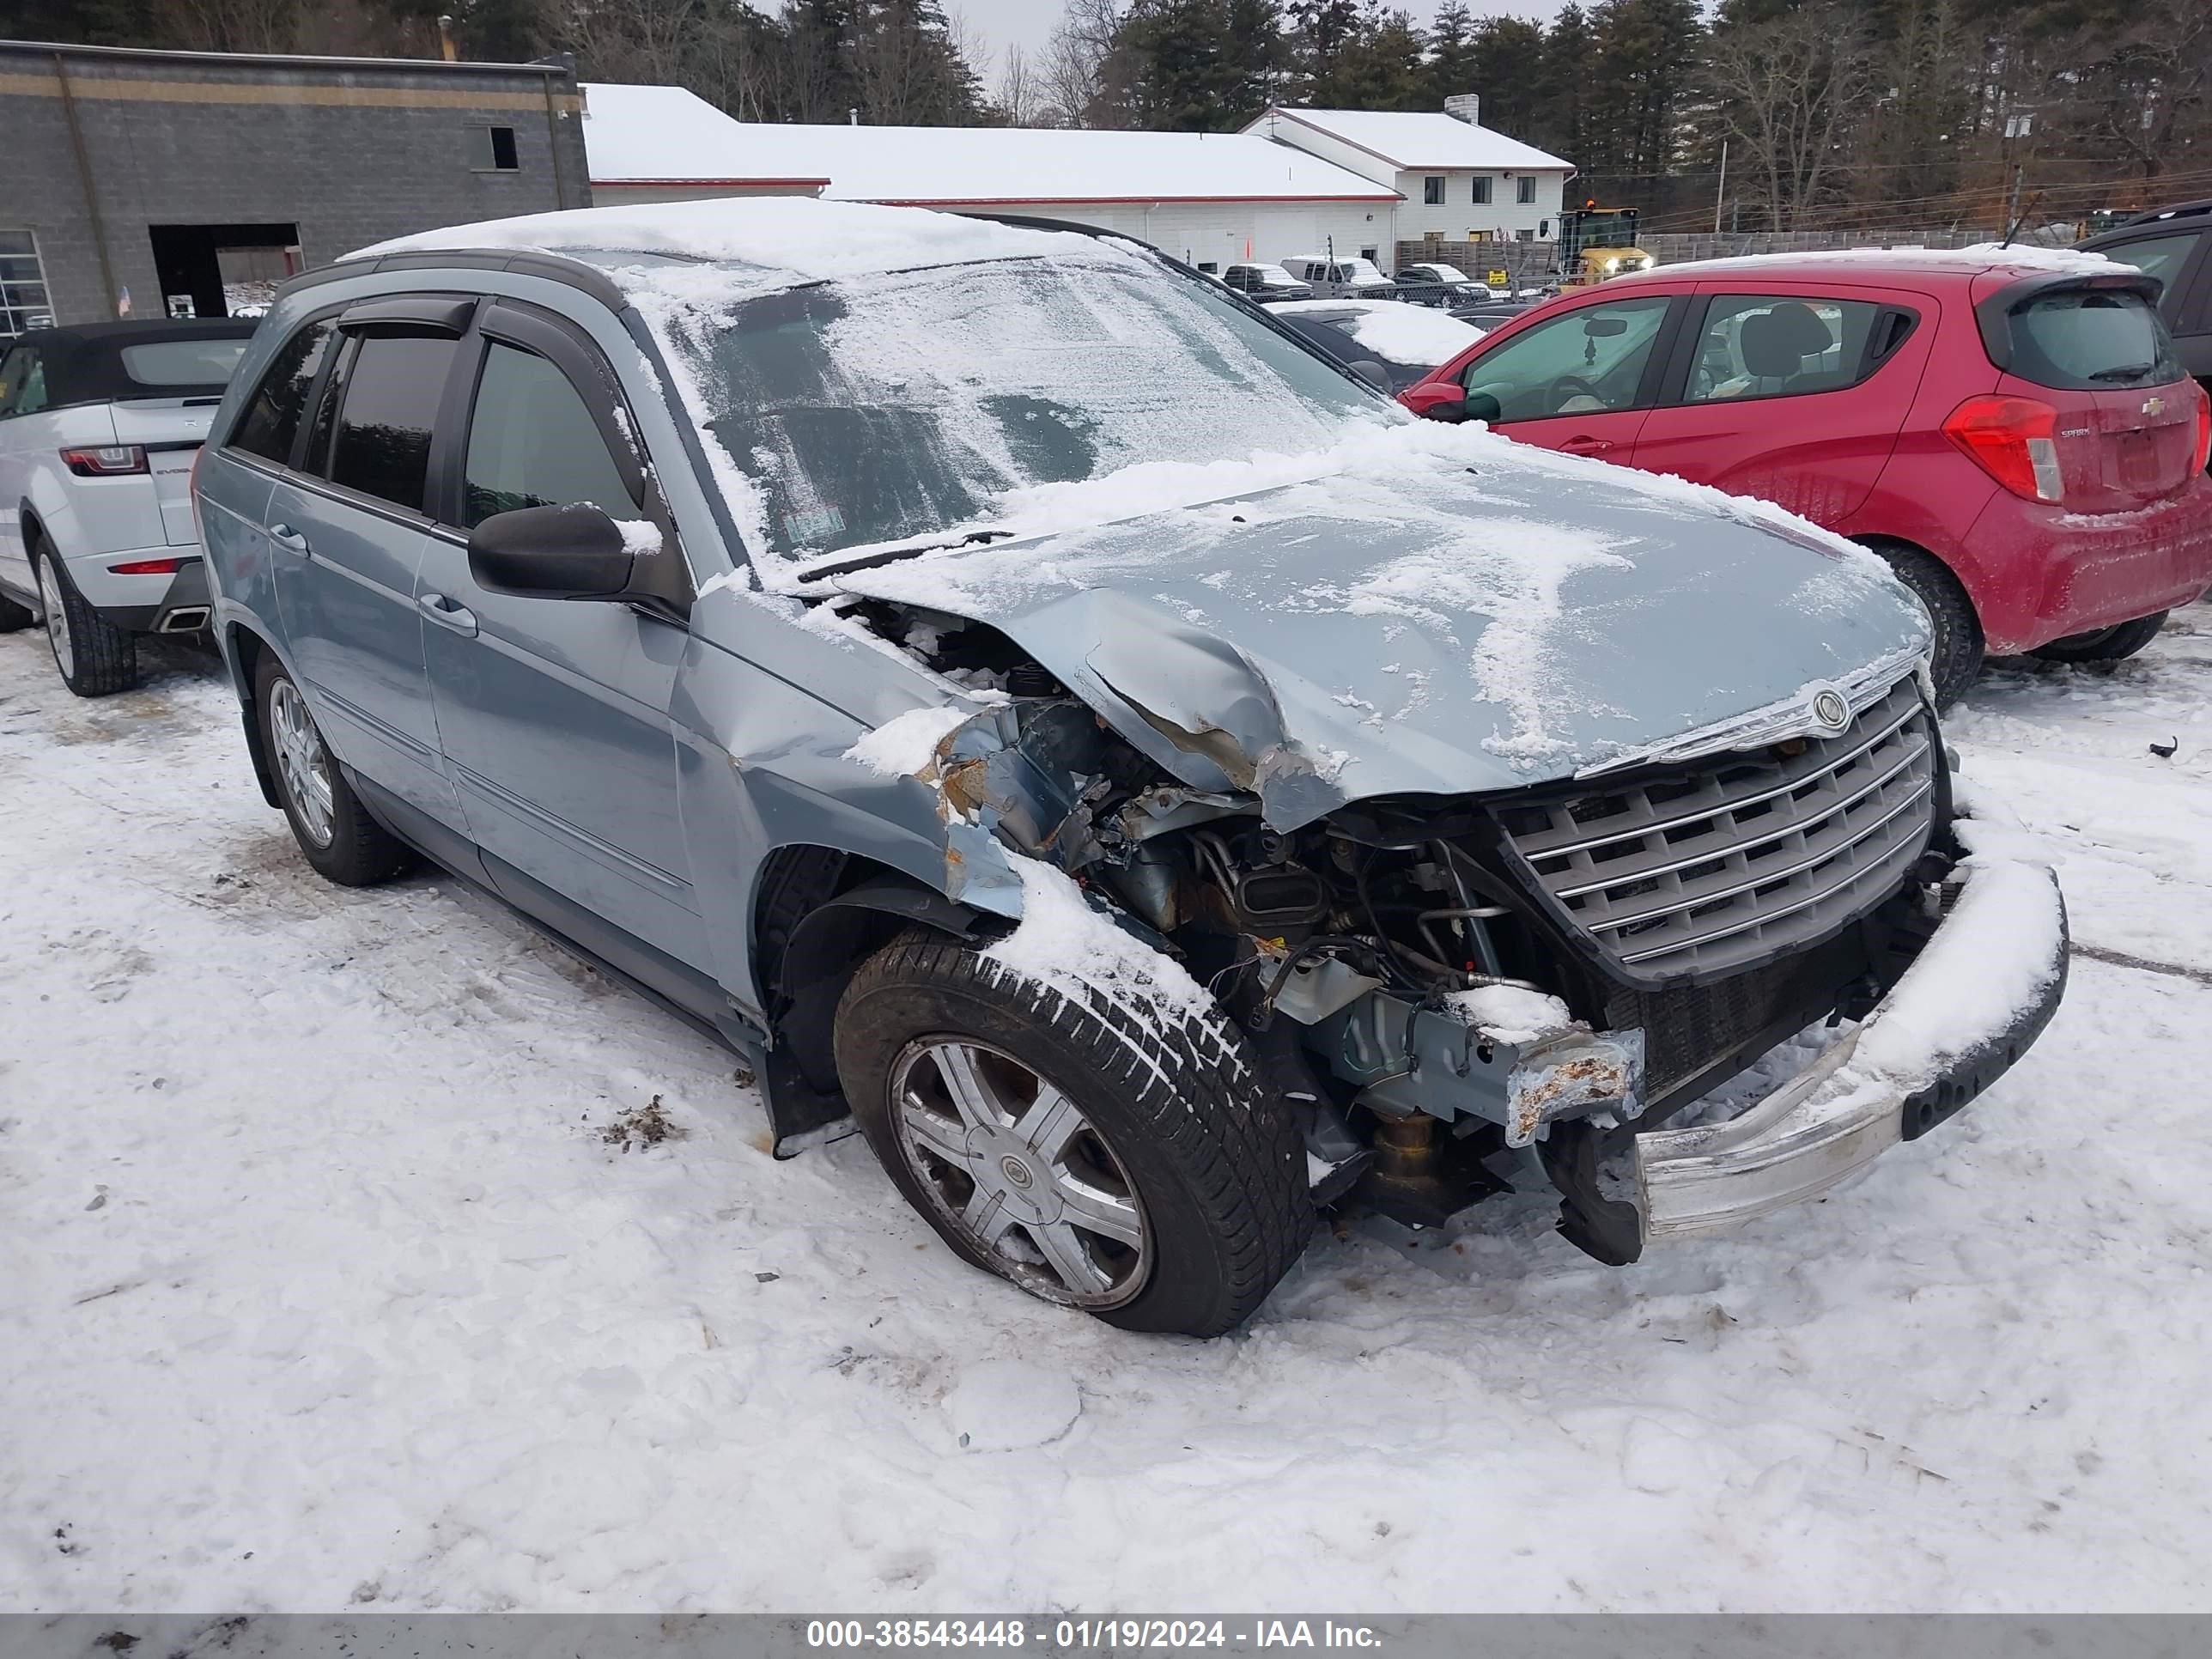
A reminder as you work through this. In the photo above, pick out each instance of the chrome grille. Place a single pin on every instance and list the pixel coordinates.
(1726, 862)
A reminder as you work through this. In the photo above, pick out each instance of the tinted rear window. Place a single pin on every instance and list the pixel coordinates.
(183, 365)
(2091, 340)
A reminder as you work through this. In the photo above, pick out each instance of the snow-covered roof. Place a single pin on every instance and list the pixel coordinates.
(1411, 140)
(666, 136)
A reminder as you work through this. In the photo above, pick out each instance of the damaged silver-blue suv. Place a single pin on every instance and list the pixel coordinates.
(879, 636)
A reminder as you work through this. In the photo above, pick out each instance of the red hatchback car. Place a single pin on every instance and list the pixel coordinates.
(2018, 439)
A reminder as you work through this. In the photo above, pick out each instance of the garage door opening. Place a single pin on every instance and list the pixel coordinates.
(223, 270)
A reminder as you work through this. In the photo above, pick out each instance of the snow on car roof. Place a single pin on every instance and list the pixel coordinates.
(1393, 330)
(795, 236)
(664, 135)
(1979, 256)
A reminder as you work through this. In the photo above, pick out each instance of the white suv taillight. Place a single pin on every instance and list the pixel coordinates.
(111, 461)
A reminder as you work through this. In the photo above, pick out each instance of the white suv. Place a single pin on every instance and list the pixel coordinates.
(98, 429)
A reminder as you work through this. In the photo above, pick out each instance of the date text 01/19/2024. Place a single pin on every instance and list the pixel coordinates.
(1089, 1635)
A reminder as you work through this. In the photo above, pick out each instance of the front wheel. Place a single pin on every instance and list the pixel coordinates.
(334, 830)
(1131, 1166)
(2103, 644)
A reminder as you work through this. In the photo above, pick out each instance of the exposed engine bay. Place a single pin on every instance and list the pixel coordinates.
(1462, 996)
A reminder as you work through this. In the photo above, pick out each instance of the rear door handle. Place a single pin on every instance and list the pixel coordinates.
(448, 613)
(1585, 446)
(288, 538)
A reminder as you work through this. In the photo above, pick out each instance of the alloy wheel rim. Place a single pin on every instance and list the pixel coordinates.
(1014, 1167)
(58, 627)
(301, 762)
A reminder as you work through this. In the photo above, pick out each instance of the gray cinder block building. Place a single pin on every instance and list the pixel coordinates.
(147, 184)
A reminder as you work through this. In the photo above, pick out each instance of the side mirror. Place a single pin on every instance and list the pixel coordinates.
(572, 552)
(1373, 373)
(577, 552)
(1439, 401)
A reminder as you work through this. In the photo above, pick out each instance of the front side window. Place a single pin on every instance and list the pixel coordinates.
(1432, 190)
(272, 419)
(1525, 192)
(1481, 190)
(382, 444)
(1591, 361)
(883, 408)
(1765, 346)
(532, 442)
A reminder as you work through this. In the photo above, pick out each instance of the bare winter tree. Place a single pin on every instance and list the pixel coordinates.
(1790, 89)
(2142, 88)
(1019, 95)
(1075, 63)
(230, 24)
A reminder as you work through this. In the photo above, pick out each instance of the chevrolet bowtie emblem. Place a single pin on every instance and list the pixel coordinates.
(2153, 406)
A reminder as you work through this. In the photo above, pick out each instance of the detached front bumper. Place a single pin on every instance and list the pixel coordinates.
(1979, 995)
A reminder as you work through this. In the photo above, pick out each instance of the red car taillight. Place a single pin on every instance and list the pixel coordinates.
(2014, 440)
(112, 461)
(147, 568)
(2204, 429)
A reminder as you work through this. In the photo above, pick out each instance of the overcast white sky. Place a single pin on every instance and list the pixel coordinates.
(1002, 22)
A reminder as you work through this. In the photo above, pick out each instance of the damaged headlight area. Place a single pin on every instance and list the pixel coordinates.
(1451, 1009)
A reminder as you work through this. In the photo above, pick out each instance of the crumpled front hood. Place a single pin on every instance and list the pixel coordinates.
(1455, 613)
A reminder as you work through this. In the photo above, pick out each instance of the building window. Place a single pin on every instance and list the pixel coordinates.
(23, 302)
(1432, 190)
(1482, 189)
(1370, 254)
(491, 150)
(1525, 192)
(1524, 235)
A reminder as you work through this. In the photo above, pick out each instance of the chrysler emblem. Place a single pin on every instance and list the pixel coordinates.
(1831, 714)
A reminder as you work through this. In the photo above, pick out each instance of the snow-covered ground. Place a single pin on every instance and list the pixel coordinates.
(326, 1280)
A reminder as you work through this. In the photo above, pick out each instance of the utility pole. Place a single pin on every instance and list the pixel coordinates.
(1720, 191)
(2012, 204)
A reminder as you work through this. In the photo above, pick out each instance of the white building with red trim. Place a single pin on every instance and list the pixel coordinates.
(1213, 199)
(1457, 180)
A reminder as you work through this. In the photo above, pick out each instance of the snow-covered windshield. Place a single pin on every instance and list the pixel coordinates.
(884, 408)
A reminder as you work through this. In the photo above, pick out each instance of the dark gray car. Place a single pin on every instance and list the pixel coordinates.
(869, 632)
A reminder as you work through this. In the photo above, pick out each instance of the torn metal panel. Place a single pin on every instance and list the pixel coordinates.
(1412, 1059)
(1573, 1075)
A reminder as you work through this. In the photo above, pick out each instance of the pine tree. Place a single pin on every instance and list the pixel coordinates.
(1452, 68)
(1508, 68)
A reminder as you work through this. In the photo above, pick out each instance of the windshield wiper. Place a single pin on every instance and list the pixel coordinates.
(2132, 372)
(892, 555)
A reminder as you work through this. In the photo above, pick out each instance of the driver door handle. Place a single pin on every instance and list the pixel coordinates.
(1584, 445)
(288, 538)
(448, 613)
